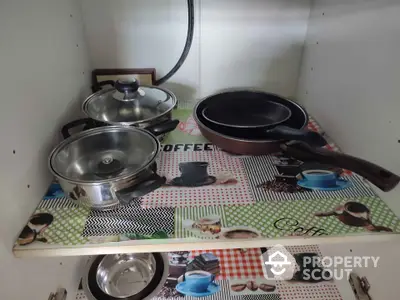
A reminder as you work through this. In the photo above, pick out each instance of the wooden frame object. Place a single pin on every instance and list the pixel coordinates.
(146, 76)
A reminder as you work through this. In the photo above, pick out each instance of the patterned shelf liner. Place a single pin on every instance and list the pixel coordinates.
(232, 196)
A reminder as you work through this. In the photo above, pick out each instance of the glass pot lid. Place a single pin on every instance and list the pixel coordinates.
(103, 154)
(128, 103)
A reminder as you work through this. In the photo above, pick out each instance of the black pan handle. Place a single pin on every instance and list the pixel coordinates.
(287, 133)
(125, 196)
(66, 128)
(162, 128)
(382, 178)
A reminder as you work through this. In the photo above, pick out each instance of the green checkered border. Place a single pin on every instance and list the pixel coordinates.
(67, 226)
(275, 220)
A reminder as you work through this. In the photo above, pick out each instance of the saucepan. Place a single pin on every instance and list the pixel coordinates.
(292, 138)
(125, 103)
(134, 276)
(107, 166)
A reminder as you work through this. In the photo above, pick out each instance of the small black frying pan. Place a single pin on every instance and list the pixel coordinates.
(256, 114)
(249, 113)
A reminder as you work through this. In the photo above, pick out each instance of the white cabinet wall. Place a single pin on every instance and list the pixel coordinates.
(44, 73)
(254, 43)
(350, 78)
(49, 47)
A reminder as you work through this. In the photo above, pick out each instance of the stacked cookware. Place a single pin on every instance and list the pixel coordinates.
(112, 161)
(259, 123)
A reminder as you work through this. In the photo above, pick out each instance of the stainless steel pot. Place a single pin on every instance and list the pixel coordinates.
(129, 104)
(125, 103)
(125, 276)
(107, 166)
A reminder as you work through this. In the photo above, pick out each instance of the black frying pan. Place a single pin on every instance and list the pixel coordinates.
(256, 114)
(246, 113)
(235, 142)
(253, 143)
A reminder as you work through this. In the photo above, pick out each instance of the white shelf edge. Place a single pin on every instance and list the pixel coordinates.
(146, 246)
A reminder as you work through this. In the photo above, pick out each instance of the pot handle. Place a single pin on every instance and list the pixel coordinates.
(162, 128)
(98, 85)
(66, 128)
(125, 196)
(382, 178)
(72, 196)
(287, 133)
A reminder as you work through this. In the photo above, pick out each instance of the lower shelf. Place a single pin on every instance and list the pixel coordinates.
(241, 274)
(244, 201)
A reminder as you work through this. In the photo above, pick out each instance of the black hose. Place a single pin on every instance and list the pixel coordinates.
(188, 45)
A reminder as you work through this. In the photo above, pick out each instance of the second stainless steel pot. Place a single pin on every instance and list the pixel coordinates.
(125, 103)
(107, 166)
(128, 104)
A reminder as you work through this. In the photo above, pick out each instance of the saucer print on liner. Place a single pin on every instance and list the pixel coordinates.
(323, 180)
(198, 284)
(193, 174)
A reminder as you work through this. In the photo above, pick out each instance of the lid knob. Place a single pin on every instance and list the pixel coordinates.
(127, 86)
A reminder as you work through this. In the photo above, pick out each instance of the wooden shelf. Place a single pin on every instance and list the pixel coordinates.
(234, 200)
(147, 246)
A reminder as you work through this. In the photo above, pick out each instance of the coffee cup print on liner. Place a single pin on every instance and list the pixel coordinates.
(193, 174)
(35, 229)
(209, 225)
(354, 214)
(240, 233)
(324, 180)
(198, 281)
(198, 284)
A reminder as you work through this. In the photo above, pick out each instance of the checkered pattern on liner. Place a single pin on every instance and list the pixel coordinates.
(215, 194)
(311, 291)
(314, 126)
(235, 263)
